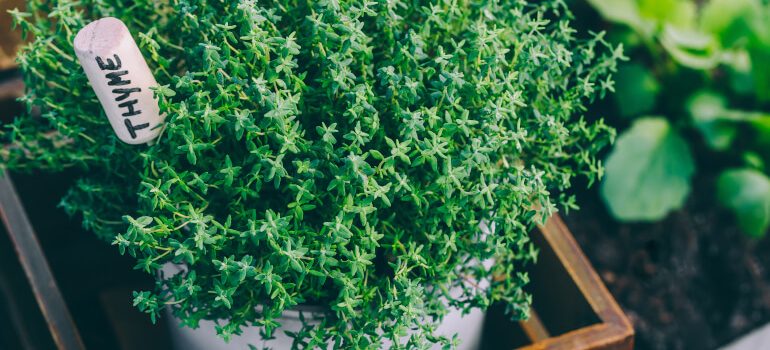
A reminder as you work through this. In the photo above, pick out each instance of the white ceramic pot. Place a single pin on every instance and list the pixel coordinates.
(468, 328)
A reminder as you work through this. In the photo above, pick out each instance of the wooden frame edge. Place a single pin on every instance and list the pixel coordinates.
(11, 88)
(36, 268)
(615, 331)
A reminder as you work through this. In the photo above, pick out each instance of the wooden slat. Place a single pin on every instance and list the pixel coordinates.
(35, 266)
(11, 88)
(534, 327)
(615, 331)
(14, 313)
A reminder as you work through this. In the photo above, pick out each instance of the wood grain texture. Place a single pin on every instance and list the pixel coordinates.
(36, 267)
(534, 327)
(615, 331)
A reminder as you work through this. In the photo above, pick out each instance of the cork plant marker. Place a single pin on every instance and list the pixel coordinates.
(121, 79)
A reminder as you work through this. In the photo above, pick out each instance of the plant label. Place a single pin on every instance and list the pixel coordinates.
(121, 79)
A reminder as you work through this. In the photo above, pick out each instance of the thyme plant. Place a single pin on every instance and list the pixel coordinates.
(335, 153)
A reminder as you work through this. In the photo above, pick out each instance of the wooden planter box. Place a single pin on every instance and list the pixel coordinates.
(572, 308)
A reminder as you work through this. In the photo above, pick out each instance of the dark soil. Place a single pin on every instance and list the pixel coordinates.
(691, 281)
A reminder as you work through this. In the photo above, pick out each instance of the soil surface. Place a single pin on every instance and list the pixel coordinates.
(691, 281)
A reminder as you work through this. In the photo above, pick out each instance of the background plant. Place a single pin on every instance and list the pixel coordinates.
(324, 152)
(696, 91)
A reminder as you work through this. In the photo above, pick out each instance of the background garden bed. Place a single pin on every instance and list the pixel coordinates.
(692, 281)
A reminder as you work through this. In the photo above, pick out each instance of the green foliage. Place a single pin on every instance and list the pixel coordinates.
(648, 171)
(747, 192)
(707, 110)
(622, 11)
(703, 66)
(341, 154)
(636, 90)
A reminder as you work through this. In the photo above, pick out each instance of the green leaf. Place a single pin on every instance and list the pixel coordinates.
(648, 173)
(635, 89)
(760, 72)
(691, 48)
(747, 193)
(719, 124)
(679, 13)
(625, 12)
(622, 11)
(760, 123)
(729, 19)
(753, 160)
(707, 110)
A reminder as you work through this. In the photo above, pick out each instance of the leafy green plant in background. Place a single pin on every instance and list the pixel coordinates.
(697, 68)
(341, 154)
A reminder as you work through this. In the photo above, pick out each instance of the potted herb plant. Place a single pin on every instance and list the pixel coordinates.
(361, 159)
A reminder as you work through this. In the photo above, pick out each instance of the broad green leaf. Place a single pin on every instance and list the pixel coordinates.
(747, 193)
(648, 173)
(635, 89)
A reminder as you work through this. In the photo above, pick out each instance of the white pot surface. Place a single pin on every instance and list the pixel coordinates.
(468, 328)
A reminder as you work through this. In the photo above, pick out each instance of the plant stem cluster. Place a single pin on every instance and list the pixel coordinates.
(336, 153)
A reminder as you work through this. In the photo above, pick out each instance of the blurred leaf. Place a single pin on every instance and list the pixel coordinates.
(739, 70)
(625, 12)
(706, 108)
(706, 105)
(760, 123)
(678, 13)
(742, 26)
(736, 59)
(761, 72)
(742, 81)
(648, 173)
(635, 89)
(621, 11)
(719, 134)
(754, 160)
(719, 124)
(730, 20)
(691, 48)
(747, 193)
